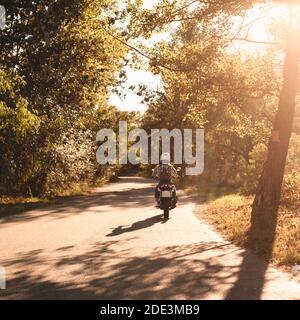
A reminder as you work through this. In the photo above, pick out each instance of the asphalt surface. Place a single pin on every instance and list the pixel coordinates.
(114, 244)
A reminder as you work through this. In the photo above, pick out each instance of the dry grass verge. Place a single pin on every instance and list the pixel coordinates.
(231, 215)
(13, 205)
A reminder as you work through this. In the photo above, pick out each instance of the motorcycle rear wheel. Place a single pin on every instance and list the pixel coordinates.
(166, 213)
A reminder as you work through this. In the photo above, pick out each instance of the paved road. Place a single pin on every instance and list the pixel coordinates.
(113, 244)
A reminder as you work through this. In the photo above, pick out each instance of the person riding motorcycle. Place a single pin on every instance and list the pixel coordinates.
(165, 172)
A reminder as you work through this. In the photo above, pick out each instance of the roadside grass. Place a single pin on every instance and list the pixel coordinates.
(14, 205)
(231, 215)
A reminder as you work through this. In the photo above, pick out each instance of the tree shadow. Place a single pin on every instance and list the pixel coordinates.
(256, 257)
(105, 272)
(140, 196)
(252, 273)
(208, 192)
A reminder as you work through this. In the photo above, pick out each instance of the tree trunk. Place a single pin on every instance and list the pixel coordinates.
(266, 203)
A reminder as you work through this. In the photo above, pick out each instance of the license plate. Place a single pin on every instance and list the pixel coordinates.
(166, 194)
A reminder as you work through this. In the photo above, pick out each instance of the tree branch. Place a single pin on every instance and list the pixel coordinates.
(139, 51)
(253, 41)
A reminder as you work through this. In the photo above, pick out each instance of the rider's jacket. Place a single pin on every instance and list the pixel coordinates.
(164, 172)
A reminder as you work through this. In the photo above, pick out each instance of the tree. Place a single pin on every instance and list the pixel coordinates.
(68, 63)
(266, 203)
(199, 14)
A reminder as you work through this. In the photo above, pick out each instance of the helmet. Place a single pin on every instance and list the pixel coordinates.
(165, 158)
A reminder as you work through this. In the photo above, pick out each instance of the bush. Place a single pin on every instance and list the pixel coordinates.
(291, 190)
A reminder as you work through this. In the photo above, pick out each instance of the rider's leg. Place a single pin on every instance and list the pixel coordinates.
(175, 198)
(156, 194)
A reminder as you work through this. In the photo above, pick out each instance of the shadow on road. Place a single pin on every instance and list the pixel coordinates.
(138, 196)
(252, 273)
(137, 225)
(104, 272)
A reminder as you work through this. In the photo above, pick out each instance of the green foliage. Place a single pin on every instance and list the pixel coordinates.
(64, 62)
(233, 98)
(18, 127)
(61, 59)
(233, 95)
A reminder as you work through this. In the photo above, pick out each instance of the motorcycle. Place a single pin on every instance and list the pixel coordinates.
(167, 197)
